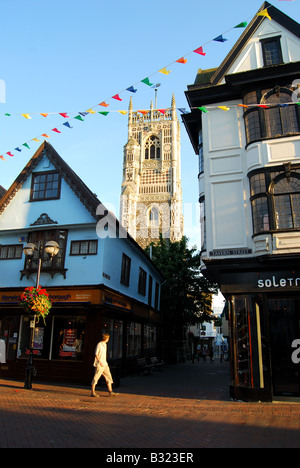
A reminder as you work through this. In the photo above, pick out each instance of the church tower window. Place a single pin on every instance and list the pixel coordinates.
(152, 148)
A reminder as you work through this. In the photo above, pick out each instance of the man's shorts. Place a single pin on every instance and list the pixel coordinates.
(105, 371)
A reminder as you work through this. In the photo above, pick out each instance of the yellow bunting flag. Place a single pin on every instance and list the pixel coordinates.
(35, 139)
(264, 13)
(27, 116)
(122, 112)
(164, 71)
(91, 111)
(224, 108)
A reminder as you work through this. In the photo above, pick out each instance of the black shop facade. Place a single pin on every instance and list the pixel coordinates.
(263, 300)
(64, 346)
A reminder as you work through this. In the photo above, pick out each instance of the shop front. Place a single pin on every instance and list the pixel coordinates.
(64, 346)
(264, 312)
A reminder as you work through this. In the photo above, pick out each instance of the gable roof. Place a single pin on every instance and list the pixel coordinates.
(276, 15)
(89, 200)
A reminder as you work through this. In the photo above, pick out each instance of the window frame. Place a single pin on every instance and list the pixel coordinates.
(275, 40)
(142, 287)
(80, 242)
(35, 175)
(11, 246)
(125, 270)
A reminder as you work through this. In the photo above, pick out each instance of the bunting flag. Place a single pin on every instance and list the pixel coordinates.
(164, 71)
(9, 154)
(241, 25)
(203, 109)
(122, 112)
(44, 115)
(67, 124)
(64, 114)
(264, 13)
(181, 60)
(103, 113)
(78, 117)
(55, 130)
(200, 51)
(3, 159)
(27, 116)
(26, 145)
(117, 97)
(220, 39)
(224, 108)
(131, 89)
(147, 82)
(45, 135)
(103, 104)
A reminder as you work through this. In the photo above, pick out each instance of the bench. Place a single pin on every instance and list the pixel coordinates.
(156, 363)
(143, 366)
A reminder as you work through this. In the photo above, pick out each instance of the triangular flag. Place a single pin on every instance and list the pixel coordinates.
(181, 60)
(27, 116)
(163, 111)
(67, 124)
(131, 89)
(263, 106)
(83, 113)
(44, 115)
(3, 159)
(182, 110)
(146, 81)
(122, 112)
(220, 39)
(164, 71)
(283, 105)
(224, 108)
(78, 117)
(91, 111)
(264, 13)
(35, 139)
(241, 25)
(104, 113)
(200, 51)
(104, 104)
(64, 114)
(8, 115)
(45, 135)
(243, 105)
(117, 97)
(55, 130)
(9, 154)
(203, 109)
(26, 145)
(18, 149)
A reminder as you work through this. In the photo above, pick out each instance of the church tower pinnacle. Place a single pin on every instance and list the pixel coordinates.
(151, 194)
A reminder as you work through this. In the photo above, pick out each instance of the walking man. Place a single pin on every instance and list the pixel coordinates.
(101, 367)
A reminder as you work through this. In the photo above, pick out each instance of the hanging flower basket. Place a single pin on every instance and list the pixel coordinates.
(35, 301)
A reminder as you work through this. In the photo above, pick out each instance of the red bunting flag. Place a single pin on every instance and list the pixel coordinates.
(55, 130)
(9, 154)
(163, 111)
(117, 97)
(64, 114)
(200, 51)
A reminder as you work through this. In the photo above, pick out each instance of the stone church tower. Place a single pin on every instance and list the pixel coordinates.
(151, 195)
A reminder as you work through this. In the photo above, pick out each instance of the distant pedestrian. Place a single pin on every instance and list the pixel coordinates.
(204, 355)
(102, 368)
(211, 355)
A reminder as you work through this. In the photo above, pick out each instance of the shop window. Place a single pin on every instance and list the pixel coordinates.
(286, 195)
(45, 186)
(134, 339)
(115, 330)
(68, 338)
(150, 337)
(9, 334)
(62, 338)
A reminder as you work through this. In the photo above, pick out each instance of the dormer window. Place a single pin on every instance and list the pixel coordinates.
(272, 53)
(45, 186)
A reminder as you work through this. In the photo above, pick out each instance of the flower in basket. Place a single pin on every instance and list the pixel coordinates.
(35, 301)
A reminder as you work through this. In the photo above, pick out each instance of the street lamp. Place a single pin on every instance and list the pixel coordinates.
(51, 248)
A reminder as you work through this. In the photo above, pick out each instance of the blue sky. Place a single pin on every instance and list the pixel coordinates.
(70, 55)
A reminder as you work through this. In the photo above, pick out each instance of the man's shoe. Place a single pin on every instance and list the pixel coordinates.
(94, 395)
(113, 394)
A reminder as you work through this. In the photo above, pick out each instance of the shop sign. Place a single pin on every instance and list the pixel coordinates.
(117, 302)
(278, 282)
(57, 296)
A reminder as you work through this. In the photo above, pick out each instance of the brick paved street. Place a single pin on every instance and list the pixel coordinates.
(184, 406)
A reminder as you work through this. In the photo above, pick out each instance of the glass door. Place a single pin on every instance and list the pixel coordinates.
(9, 331)
(284, 326)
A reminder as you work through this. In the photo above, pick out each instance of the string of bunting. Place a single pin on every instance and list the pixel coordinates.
(133, 89)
